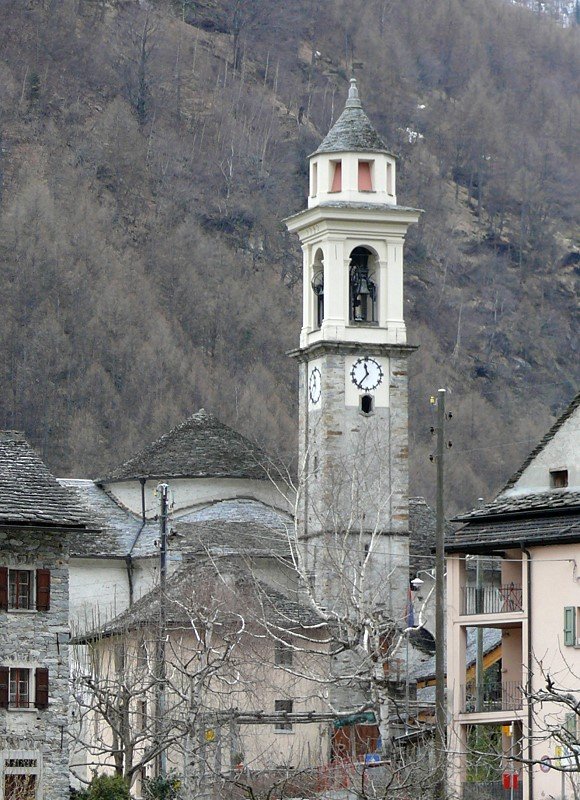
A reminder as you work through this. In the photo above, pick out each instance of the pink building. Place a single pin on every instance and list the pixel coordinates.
(510, 734)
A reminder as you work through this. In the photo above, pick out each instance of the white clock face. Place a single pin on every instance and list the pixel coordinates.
(366, 373)
(315, 385)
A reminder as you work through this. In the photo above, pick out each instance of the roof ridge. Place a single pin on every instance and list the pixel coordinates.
(199, 446)
(548, 436)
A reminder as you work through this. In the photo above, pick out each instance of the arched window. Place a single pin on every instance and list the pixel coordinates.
(363, 289)
(317, 284)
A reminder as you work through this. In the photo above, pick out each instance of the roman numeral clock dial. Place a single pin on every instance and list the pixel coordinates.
(366, 374)
(315, 385)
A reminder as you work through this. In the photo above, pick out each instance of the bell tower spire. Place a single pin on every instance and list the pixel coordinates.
(353, 360)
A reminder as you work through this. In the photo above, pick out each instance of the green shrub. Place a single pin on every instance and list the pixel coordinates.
(161, 788)
(108, 787)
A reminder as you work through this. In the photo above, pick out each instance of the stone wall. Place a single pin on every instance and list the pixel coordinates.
(33, 738)
(355, 482)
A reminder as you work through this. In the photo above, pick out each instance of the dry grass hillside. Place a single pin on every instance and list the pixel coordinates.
(149, 152)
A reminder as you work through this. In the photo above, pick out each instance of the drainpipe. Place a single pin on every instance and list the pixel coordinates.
(129, 557)
(529, 681)
(143, 481)
(129, 566)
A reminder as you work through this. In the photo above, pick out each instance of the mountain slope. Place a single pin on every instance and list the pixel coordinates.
(149, 153)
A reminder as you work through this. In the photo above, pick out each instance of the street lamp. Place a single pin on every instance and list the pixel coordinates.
(414, 586)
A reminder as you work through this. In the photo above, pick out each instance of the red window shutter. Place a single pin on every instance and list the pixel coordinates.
(42, 589)
(3, 588)
(41, 693)
(4, 679)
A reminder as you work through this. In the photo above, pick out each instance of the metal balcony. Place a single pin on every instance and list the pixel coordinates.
(487, 697)
(492, 599)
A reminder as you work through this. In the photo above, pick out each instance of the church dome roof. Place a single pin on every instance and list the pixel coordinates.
(353, 130)
(201, 447)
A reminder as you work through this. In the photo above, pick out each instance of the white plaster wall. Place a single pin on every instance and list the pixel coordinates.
(99, 590)
(337, 232)
(323, 163)
(562, 452)
(189, 493)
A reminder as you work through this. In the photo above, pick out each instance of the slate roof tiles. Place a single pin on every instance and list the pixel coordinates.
(201, 447)
(29, 492)
(353, 130)
(519, 504)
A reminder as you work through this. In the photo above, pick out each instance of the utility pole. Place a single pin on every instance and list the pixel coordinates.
(440, 709)
(161, 759)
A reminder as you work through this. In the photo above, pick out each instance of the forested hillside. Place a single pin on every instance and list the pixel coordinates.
(149, 152)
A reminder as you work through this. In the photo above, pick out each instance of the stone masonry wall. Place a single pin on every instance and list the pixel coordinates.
(356, 480)
(32, 639)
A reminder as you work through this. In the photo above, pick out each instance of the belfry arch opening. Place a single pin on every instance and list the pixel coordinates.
(362, 286)
(317, 284)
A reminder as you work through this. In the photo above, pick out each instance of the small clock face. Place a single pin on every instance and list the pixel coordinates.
(315, 385)
(366, 373)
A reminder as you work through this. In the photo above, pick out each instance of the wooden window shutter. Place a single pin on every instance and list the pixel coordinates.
(570, 625)
(43, 590)
(3, 588)
(41, 691)
(4, 680)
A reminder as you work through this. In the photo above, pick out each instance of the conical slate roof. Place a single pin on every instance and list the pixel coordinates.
(201, 447)
(353, 130)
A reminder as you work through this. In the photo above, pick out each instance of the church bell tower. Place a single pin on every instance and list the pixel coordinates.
(353, 505)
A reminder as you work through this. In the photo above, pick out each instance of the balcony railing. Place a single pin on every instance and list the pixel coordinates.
(490, 790)
(491, 697)
(492, 599)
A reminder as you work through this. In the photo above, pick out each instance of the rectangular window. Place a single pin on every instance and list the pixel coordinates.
(365, 177)
(390, 179)
(20, 588)
(142, 715)
(314, 181)
(283, 654)
(19, 787)
(21, 688)
(336, 175)
(558, 478)
(24, 589)
(570, 625)
(19, 696)
(284, 706)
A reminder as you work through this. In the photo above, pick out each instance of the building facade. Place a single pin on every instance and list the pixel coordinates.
(532, 531)
(37, 517)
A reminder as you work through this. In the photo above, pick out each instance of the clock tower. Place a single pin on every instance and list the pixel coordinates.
(353, 504)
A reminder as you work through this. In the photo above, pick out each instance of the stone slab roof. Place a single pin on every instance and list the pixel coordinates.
(569, 411)
(239, 526)
(29, 492)
(258, 602)
(526, 503)
(353, 130)
(491, 639)
(423, 534)
(201, 447)
(117, 528)
(230, 526)
(511, 531)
